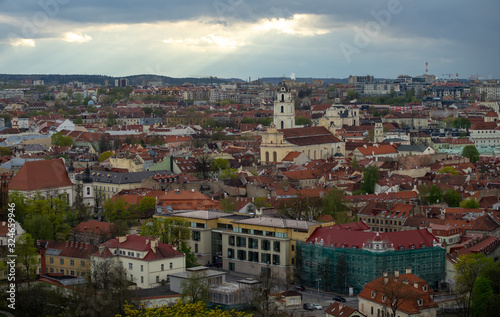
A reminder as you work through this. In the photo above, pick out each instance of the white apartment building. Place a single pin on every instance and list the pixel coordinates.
(485, 133)
(147, 261)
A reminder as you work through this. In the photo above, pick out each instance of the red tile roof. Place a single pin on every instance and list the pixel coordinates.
(309, 136)
(378, 149)
(69, 249)
(410, 239)
(338, 309)
(141, 243)
(95, 227)
(376, 289)
(39, 175)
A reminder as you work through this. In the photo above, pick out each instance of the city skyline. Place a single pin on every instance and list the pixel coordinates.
(242, 39)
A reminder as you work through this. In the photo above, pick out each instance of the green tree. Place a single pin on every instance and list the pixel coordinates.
(40, 227)
(448, 170)
(61, 140)
(219, 164)
(468, 269)
(261, 202)
(195, 287)
(435, 195)
(111, 119)
(27, 257)
(181, 309)
(78, 121)
(171, 230)
(461, 123)
(115, 210)
(148, 111)
(452, 198)
(103, 156)
(355, 164)
(469, 203)
(471, 152)
(4, 151)
(145, 208)
(333, 202)
(246, 120)
(227, 205)
(371, 176)
(302, 121)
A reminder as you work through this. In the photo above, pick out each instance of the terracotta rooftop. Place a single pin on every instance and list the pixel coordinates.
(39, 175)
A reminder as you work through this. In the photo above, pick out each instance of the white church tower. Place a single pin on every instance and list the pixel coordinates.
(284, 109)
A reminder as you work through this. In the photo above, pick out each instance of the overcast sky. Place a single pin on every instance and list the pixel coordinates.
(243, 38)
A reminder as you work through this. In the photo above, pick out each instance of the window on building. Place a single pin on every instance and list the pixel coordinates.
(196, 248)
(142, 279)
(72, 262)
(171, 265)
(51, 260)
(157, 279)
(231, 240)
(276, 259)
(231, 266)
(61, 261)
(241, 241)
(72, 273)
(265, 258)
(265, 245)
(82, 263)
(241, 255)
(163, 267)
(142, 268)
(276, 246)
(196, 236)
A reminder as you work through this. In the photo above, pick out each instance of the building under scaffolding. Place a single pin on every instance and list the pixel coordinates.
(337, 260)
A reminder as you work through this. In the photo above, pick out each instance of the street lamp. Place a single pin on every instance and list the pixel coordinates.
(317, 280)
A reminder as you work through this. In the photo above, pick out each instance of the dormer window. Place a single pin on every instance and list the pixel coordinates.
(384, 298)
(424, 288)
(420, 302)
(374, 293)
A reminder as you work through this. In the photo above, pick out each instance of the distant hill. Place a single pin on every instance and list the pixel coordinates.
(140, 80)
(326, 81)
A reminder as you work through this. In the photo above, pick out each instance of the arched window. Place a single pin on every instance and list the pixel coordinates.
(282, 97)
(275, 157)
(282, 109)
(267, 156)
(282, 124)
(88, 190)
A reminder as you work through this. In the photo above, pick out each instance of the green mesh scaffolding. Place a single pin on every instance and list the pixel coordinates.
(338, 269)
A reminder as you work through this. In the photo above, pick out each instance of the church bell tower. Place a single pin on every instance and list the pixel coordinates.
(284, 109)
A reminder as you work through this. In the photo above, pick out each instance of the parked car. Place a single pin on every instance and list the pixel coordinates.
(300, 288)
(339, 299)
(317, 306)
(308, 306)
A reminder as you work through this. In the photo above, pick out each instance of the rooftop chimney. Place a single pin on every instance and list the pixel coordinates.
(122, 239)
(396, 273)
(386, 278)
(154, 245)
(415, 284)
(408, 271)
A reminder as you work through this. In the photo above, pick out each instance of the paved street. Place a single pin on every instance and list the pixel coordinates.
(324, 299)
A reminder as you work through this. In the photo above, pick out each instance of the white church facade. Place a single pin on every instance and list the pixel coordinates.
(282, 137)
